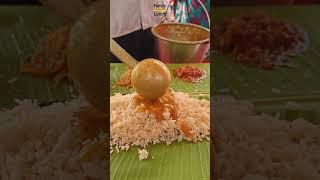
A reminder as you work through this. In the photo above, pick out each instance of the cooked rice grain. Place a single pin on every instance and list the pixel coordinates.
(250, 146)
(143, 154)
(130, 127)
(41, 143)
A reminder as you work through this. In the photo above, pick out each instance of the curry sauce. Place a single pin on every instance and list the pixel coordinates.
(186, 129)
(157, 107)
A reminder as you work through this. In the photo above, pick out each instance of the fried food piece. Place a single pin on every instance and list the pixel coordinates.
(50, 56)
(125, 79)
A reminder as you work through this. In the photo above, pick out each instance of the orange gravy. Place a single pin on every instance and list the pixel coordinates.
(186, 129)
(157, 107)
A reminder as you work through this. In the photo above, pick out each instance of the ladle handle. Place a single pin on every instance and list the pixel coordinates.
(122, 54)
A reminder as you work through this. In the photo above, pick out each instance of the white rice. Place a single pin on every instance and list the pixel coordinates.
(143, 154)
(41, 143)
(130, 127)
(262, 147)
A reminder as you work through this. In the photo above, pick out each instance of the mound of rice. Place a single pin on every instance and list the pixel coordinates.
(262, 147)
(42, 143)
(130, 127)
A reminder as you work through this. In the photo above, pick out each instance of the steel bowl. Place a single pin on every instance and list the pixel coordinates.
(181, 42)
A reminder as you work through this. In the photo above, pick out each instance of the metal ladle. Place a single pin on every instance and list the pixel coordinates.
(150, 78)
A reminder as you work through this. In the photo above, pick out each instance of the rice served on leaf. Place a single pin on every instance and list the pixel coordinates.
(46, 143)
(249, 146)
(132, 124)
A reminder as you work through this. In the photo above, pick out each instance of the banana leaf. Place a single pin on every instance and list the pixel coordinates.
(251, 83)
(117, 69)
(21, 28)
(182, 160)
(179, 161)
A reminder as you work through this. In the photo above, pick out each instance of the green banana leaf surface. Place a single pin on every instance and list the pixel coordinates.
(183, 160)
(21, 28)
(251, 83)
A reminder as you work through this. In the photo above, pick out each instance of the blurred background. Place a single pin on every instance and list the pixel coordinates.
(254, 2)
(34, 2)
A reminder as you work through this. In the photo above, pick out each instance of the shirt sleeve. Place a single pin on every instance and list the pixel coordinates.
(125, 17)
(131, 15)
